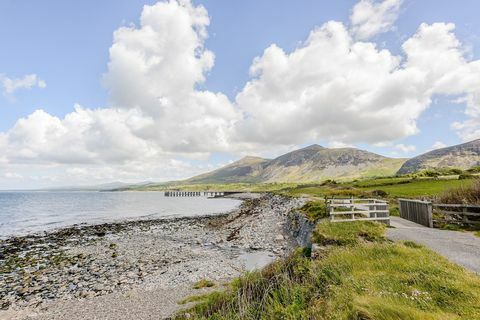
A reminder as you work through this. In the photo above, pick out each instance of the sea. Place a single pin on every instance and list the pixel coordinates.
(23, 213)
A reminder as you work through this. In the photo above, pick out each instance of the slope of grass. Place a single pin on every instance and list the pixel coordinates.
(327, 233)
(315, 210)
(361, 277)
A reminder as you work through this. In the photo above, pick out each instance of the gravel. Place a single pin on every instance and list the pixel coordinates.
(137, 269)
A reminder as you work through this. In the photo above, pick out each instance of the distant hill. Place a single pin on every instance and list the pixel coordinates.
(247, 169)
(313, 163)
(462, 156)
(101, 187)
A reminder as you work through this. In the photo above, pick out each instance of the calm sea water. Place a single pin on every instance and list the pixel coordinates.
(28, 212)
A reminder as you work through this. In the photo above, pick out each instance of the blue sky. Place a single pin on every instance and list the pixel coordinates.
(66, 44)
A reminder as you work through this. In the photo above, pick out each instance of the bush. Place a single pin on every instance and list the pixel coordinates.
(379, 193)
(467, 194)
(475, 169)
(433, 173)
(394, 211)
(328, 182)
(465, 176)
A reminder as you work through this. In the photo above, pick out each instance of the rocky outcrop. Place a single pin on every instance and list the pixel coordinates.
(300, 228)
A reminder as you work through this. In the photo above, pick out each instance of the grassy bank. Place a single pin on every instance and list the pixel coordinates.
(359, 276)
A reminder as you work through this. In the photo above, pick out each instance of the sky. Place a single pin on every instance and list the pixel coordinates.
(128, 90)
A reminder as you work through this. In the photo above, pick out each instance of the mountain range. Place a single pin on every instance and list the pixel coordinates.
(313, 163)
(317, 163)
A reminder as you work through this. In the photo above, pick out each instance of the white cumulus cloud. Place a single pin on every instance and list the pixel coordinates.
(405, 148)
(336, 86)
(438, 145)
(370, 17)
(11, 85)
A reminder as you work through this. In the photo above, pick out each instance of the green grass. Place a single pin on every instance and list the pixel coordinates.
(356, 279)
(381, 182)
(397, 281)
(413, 188)
(315, 210)
(392, 188)
(328, 233)
(203, 283)
(419, 188)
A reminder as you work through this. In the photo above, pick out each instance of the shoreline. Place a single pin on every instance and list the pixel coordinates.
(107, 217)
(148, 265)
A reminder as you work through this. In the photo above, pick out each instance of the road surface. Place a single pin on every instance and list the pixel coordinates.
(459, 247)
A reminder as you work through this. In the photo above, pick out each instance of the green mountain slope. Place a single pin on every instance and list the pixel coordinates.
(313, 163)
(247, 169)
(462, 156)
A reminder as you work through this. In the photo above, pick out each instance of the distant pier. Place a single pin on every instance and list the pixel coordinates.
(209, 194)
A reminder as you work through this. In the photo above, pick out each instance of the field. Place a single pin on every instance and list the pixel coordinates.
(390, 188)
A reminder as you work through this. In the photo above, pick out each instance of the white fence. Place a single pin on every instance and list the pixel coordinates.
(351, 209)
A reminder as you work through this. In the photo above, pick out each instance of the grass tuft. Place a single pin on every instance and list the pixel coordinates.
(315, 210)
(203, 283)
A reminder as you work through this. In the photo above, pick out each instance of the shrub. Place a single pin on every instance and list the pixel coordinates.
(433, 173)
(468, 194)
(328, 182)
(394, 211)
(475, 169)
(464, 176)
(379, 193)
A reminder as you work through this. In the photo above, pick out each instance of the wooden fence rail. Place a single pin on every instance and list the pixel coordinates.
(417, 211)
(456, 214)
(428, 214)
(351, 209)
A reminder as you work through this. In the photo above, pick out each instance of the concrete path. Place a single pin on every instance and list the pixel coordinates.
(460, 247)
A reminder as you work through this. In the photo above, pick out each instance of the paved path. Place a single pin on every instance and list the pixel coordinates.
(460, 247)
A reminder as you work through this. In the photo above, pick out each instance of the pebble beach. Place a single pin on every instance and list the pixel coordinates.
(139, 269)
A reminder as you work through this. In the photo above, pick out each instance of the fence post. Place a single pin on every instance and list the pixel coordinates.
(430, 215)
(464, 218)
